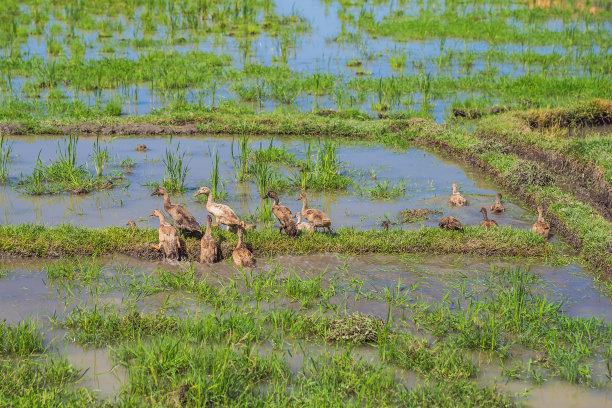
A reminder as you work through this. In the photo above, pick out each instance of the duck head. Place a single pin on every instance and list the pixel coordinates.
(202, 190)
(454, 188)
(156, 213)
(272, 194)
(302, 196)
(160, 191)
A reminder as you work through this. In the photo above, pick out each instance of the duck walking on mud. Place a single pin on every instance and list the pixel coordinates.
(183, 219)
(457, 199)
(498, 206)
(283, 214)
(168, 238)
(541, 227)
(316, 218)
(208, 246)
(486, 222)
(241, 255)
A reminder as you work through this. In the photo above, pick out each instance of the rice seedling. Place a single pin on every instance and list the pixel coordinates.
(6, 149)
(176, 167)
(385, 191)
(241, 161)
(100, 156)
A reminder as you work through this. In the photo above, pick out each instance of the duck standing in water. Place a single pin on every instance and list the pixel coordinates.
(450, 223)
(497, 207)
(283, 214)
(208, 246)
(541, 227)
(223, 214)
(486, 222)
(241, 255)
(168, 238)
(457, 199)
(183, 219)
(316, 218)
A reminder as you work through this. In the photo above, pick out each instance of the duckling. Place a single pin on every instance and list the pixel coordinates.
(541, 227)
(498, 207)
(316, 218)
(241, 255)
(284, 215)
(168, 238)
(450, 223)
(141, 148)
(208, 246)
(486, 222)
(183, 219)
(131, 224)
(223, 213)
(457, 199)
(301, 225)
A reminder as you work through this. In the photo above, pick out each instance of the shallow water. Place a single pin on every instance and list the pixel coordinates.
(26, 293)
(326, 47)
(427, 182)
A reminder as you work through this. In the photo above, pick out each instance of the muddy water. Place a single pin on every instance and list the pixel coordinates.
(26, 293)
(427, 182)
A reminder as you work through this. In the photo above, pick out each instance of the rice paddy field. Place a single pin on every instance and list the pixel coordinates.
(373, 109)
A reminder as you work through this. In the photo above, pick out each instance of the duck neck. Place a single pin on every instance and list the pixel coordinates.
(167, 203)
(454, 189)
(162, 220)
(484, 215)
(498, 200)
(275, 198)
(299, 217)
(209, 199)
(304, 204)
(208, 228)
(239, 239)
(540, 216)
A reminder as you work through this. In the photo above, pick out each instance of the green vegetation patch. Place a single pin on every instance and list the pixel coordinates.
(40, 241)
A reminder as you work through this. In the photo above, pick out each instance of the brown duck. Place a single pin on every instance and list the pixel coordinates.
(284, 215)
(541, 227)
(208, 246)
(497, 207)
(183, 219)
(457, 199)
(168, 238)
(241, 255)
(450, 223)
(301, 225)
(486, 222)
(316, 218)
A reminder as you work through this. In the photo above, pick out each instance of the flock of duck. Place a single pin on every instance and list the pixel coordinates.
(185, 222)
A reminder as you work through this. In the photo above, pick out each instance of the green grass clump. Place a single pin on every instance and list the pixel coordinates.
(593, 112)
(22, 339)
(47, 382)
(65, 175)
(82, 269)
(97, 328)
(384, 190)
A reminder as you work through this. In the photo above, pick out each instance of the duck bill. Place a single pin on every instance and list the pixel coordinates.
(197, 193)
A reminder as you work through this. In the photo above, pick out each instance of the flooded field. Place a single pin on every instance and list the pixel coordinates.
(410, 57)
(402, 178)
(393, 289)
(369, 111)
